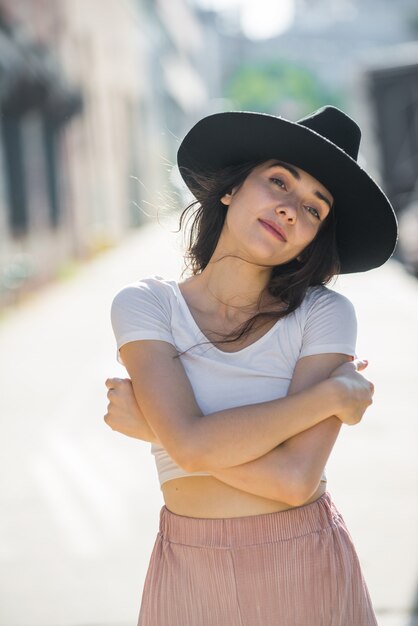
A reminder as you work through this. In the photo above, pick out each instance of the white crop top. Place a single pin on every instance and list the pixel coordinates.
(154, 308)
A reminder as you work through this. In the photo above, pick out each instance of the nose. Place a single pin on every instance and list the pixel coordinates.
(287, 211)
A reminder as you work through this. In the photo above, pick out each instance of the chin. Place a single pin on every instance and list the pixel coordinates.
(267, 255)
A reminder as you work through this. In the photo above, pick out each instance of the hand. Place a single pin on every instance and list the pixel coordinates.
(123, 413)
(356, 391)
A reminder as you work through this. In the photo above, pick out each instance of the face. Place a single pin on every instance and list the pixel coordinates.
(290, 199)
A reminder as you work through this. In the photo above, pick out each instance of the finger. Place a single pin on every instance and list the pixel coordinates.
(112, 382)
(360, 364)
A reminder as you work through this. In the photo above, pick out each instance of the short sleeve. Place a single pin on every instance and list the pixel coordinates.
(141, 311)
(330, 325)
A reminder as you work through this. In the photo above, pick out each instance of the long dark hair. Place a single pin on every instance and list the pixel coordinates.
(315, 265)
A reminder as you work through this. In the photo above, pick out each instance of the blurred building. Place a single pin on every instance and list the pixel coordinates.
(391, 81)
(36, 104)
(94, 99)
(334, 42)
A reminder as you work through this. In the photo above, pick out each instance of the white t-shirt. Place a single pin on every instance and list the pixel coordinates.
(154, 308)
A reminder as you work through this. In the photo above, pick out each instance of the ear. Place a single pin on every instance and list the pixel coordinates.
(226, 199)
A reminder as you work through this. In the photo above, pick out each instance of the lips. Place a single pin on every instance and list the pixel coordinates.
(277, 231)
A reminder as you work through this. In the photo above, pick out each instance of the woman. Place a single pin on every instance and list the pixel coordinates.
(243, 374)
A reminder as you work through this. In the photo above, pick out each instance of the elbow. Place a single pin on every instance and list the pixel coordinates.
(185, 460)
(190, 458)
(196, 455)
(300, 490)
(191, 462)
(195, 458)
(182, 446)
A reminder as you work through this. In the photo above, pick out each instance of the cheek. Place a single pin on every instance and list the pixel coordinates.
(238, 217)
(304, 235)
(309, 228)
(246, 208)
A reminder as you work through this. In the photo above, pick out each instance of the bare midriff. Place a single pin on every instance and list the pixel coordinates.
(206, 496)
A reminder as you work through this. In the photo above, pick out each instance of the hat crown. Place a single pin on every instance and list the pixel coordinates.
(337, 127)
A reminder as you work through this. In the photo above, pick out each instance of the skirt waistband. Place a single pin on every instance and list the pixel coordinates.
(230, 532)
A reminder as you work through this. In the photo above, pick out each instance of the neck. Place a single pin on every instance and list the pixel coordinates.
(232, 287)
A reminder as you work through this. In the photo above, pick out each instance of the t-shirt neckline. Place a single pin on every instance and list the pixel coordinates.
(253, 345)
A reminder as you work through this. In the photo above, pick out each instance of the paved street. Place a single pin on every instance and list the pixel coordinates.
(80, 504)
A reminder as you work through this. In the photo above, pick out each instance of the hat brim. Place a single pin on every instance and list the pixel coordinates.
(366, 225)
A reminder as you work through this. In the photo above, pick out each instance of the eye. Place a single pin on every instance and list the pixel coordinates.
(313, 212)
(279, 181)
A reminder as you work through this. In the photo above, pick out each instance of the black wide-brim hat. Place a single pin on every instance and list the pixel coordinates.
(325, 144)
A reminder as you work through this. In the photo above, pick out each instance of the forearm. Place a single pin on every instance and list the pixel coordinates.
(270, 476)
(289, 473)
(286, 474)
(243, 434)
(310, 452)
(248, 471)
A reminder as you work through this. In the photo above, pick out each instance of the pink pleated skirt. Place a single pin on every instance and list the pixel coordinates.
(291, 568)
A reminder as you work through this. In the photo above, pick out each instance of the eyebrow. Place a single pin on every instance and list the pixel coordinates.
(296, 175)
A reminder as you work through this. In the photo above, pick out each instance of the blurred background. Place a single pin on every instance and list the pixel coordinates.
(95, 97)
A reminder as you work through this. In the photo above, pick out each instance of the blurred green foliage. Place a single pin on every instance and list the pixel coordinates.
(263, 86)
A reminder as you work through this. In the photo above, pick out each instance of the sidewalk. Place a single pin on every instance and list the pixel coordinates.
(80, 504)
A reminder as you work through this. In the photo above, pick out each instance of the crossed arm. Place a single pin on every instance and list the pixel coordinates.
(292, 471)
(285, 465)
